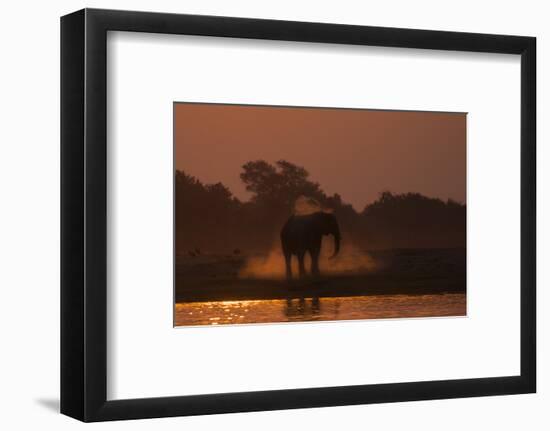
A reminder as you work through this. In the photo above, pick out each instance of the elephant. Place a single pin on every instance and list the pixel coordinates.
(302, 234)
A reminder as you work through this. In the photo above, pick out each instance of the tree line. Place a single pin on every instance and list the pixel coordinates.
(209, 217)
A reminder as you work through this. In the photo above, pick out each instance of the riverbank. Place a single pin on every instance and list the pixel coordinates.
(397, 272)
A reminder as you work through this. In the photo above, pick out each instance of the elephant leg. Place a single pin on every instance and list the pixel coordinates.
(315, 305)
(314, 261)
(288, 265)
(301, 265)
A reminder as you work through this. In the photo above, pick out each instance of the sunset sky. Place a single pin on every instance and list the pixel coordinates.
(354, 152)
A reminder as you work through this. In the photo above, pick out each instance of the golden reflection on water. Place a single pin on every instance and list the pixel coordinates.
(315, 309)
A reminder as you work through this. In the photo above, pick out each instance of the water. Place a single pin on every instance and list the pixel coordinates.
(316, 309)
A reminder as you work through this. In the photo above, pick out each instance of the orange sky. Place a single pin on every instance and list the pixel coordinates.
(356, 153)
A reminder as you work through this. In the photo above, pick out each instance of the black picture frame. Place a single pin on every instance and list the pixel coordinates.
(84, 214)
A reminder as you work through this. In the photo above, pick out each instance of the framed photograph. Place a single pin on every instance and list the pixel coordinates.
(260, 242)
(262, 215)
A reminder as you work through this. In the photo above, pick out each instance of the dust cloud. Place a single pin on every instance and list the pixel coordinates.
(351, 260)
(305, 205)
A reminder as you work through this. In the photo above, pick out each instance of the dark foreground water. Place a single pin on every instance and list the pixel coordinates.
(305, 310)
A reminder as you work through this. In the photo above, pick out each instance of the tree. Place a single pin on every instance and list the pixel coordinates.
(413, 220)
(209, 217)
(279, 185)
(260, 178)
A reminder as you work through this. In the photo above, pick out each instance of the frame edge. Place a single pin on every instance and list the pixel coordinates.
(72, 215)
(529, 214)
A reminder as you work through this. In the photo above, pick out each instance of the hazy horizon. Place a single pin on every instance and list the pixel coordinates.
(356, 153)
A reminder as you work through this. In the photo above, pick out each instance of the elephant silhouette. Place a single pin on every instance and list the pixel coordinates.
(303, 234)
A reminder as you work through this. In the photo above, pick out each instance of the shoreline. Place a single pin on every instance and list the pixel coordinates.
(208, 278)
(327, 286)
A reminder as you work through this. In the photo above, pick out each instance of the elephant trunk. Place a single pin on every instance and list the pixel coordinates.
(336, 243)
